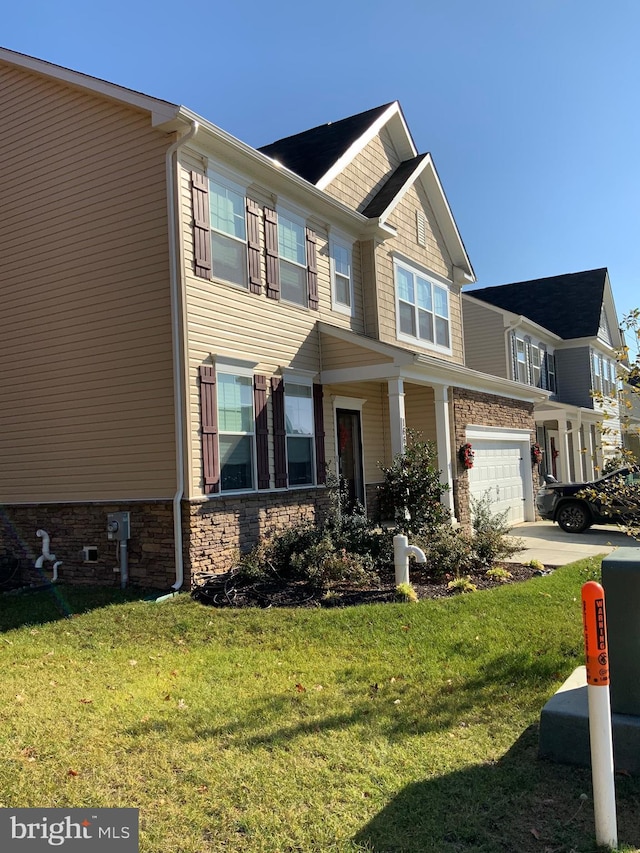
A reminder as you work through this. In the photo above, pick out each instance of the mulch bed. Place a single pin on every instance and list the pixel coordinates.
(229, 590)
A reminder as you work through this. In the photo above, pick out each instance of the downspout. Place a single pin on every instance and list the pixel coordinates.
(176, 332)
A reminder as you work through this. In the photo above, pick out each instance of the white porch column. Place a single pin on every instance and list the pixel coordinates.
(563, 448)
(395, 389)
(588, 443)
(577, 455)
(443, 438)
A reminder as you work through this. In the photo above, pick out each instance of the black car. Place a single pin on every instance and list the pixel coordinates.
(576, 506)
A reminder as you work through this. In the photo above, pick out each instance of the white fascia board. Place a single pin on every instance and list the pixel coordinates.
(355, 148)
(551, 410)
(444, 217)
(611, 313)
(276, 178)
(162, 111)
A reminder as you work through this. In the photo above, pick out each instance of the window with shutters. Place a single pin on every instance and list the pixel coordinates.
(603, 372)
(340, 252)
(422, 308)
(533, 364)
(299, 422)
(236, 431)
(292, 253)
(227, 214)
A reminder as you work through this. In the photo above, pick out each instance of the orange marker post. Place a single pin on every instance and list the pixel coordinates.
(597, 661)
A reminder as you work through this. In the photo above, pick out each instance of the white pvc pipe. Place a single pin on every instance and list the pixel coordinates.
(401, 553)
(602, 769)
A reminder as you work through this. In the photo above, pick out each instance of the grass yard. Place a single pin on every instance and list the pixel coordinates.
(394, 728)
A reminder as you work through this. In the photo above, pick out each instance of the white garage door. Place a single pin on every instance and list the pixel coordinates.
(498, 468)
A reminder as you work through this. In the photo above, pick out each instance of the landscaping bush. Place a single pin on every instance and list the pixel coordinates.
(491, 540)
(411, 493)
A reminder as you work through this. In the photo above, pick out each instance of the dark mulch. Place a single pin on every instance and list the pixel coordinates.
(229, 590)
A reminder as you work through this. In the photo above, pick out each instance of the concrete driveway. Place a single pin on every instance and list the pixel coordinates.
(546, 542)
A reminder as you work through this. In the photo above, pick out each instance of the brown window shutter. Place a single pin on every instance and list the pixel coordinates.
(312, 270)
(201, 230)
(262, 430)
(318, 418)
(271, 252)
(209, 427)
(279, 432)
(253, 242)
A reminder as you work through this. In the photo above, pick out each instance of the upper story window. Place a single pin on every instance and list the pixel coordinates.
(422, 308)
(299, 421)
(236, 431)
(533, 364)
(603, 372)
(293, 257)
(227, 206)
(341, 275)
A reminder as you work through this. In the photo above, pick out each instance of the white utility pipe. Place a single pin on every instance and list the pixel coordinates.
(401, 553)
(175, 275)
(47, 555)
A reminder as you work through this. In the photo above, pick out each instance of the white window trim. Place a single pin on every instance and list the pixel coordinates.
(238, 367)
(344, 243)
(300, 377)
(234, 182)
(416, 269)
(294, 215)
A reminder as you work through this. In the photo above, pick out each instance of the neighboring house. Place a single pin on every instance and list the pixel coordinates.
(559, 333)
(195, 331)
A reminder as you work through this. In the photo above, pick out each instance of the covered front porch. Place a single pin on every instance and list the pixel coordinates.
(375, 392)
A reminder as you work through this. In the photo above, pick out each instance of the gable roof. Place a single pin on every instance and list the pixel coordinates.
(394, 185)
(569, 305)
(312, 153)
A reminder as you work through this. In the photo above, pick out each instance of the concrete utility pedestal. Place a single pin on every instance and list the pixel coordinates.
(564, 722)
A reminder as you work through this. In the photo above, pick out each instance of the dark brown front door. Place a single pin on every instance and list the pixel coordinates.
(350, 456)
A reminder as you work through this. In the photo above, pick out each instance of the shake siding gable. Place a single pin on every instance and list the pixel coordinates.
(89, 414)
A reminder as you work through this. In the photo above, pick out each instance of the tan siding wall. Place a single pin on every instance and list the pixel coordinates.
(420, 410)
(363, 177)
(86, 386)
(337, 354)
(484, 340)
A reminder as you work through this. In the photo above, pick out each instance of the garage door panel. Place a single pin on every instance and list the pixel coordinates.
(498, 470)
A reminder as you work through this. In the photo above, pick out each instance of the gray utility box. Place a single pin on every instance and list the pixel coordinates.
(621, 582)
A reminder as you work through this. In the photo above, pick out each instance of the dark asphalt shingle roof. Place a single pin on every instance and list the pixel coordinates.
(386, 194)
(568, 305)
(313, 152)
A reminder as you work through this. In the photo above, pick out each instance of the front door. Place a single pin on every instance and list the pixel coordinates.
(350, 456)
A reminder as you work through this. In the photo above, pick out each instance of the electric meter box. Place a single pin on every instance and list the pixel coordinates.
(621, 583)
(118, 526)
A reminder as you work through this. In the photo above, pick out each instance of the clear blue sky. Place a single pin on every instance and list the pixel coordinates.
(529, 107)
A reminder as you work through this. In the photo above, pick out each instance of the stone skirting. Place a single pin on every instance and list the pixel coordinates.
(71, 527)
(475, 407)
(217, 530)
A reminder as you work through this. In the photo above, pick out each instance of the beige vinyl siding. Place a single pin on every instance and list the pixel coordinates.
(227, 320)
(376, 444)
(420, 413)
(86, 388)
(337, 354)
(484, 339)
(359, 182)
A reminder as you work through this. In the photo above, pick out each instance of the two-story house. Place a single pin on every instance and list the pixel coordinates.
(560, 333)
(195, 331)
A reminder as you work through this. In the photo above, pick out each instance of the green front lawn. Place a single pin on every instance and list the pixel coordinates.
(387, 728)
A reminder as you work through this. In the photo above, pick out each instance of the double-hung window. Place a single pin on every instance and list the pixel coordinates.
(236, 430)
(551, 372)
(341, 275)
(299, 422)
(292, 257)
(422, 307)
(227, 205)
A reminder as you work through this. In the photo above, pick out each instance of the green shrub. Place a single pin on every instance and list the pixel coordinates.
(411, 492)
(447, 551)
(491, 539)
(323, 566)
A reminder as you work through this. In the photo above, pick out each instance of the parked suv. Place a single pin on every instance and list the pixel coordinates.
(575, 511)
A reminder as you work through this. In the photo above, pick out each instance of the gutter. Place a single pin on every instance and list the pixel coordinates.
(177, 340)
